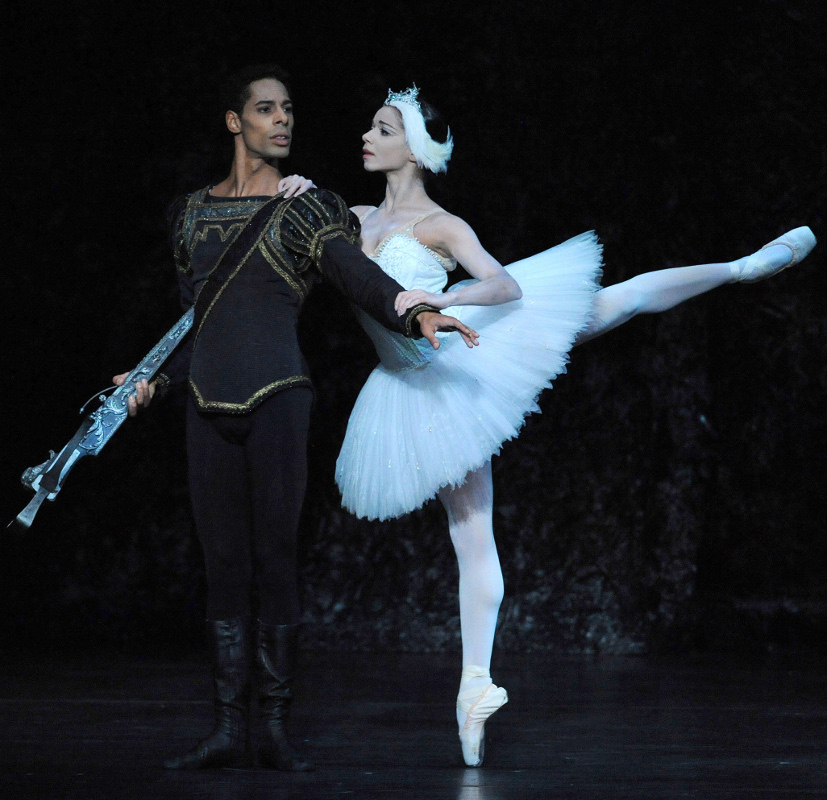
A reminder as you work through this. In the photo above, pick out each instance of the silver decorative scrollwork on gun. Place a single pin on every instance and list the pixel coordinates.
(46, 479)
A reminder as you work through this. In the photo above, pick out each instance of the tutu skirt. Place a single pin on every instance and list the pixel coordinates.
(413, 431)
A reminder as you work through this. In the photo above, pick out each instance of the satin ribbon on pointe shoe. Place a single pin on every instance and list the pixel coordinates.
(478, 707)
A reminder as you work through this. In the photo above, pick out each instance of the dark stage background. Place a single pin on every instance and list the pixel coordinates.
(669, 497)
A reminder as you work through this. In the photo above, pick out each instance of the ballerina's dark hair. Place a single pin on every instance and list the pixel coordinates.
(434, 122)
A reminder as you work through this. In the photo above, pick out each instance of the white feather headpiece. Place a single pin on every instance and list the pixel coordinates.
(429, 154)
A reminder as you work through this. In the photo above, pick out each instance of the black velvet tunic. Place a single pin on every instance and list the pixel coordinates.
(244, 345)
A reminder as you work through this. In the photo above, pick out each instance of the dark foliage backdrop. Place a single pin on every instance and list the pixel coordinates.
(671, 493)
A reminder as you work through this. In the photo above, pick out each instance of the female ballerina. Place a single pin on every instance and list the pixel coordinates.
(427, 422)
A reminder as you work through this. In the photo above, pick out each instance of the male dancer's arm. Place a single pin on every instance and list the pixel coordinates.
(362, 281)
(318, 225)
(177, 368)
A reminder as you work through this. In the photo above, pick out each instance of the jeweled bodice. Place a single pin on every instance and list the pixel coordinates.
(415, 266)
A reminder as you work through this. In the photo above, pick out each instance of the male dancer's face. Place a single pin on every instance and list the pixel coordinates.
(266, 122)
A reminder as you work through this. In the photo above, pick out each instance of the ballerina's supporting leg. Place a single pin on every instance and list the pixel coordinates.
(653, 292)
(470, 512)
(470, 509)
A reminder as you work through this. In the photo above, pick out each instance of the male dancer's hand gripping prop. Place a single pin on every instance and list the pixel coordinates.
(46, 479)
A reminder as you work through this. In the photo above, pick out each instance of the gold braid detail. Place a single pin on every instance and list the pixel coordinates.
(162, 384)
(283, 268)
(328, 233)
(306, 223)
(254, 399)
(412, 314)
(226, 283)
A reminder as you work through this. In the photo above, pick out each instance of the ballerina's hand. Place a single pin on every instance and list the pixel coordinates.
(418, 297)
(430, 322)
(294, 185)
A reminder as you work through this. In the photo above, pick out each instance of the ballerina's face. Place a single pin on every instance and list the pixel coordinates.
(385, 147)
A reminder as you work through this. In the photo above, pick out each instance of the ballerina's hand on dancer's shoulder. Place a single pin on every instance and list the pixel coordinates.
(430, 322)
(294, 185)
(419, 297)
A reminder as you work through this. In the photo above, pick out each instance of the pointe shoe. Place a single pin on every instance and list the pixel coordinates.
(478, 707)
(757, 267)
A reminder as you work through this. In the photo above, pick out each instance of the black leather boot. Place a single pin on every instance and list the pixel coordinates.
(226, 746)
(276, 650)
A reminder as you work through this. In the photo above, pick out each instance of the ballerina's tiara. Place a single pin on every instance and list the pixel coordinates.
(429, 154)
(408, 96)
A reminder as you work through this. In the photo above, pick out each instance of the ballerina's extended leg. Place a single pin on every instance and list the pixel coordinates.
(470, 510)
(653, 292)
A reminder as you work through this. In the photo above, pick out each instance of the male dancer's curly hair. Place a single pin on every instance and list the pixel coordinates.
(235, 91)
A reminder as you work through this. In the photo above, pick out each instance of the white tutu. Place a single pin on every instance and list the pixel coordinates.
(425, 418)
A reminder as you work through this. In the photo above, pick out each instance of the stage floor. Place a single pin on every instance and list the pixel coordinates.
(93, 726)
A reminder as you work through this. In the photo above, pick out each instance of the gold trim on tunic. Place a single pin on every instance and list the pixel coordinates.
(247, 405)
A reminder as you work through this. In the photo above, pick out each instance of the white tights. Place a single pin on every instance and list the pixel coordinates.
(470, 510)
(653, 292)
(470, 506)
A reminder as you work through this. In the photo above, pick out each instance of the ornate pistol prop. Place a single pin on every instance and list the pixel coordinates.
(46, 479)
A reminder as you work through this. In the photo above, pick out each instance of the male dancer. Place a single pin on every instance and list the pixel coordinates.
(250, 398)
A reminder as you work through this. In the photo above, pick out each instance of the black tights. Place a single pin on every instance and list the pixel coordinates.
(247, 480)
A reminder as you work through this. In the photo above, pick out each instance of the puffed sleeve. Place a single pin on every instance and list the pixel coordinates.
(318, 229)
(176, 369)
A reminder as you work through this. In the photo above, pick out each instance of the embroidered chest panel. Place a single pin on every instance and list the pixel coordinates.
(212, 226)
